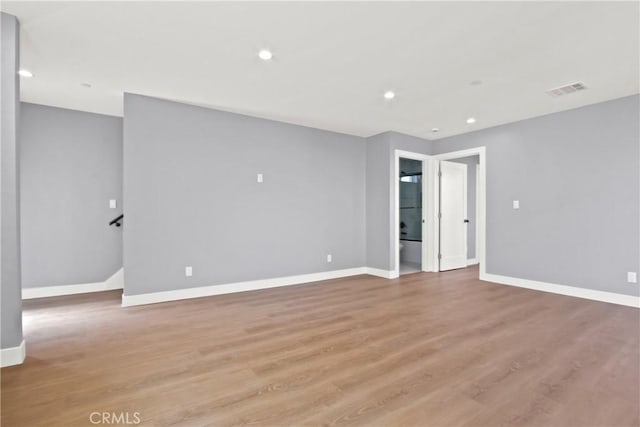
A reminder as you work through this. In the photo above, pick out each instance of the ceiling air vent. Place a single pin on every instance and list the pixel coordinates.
(566, 90)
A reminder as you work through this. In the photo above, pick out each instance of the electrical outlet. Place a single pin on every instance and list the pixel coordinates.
(259, 178)
(188, 271)
(113, 204)
(632, 277)
(329, 258)
(516, 204)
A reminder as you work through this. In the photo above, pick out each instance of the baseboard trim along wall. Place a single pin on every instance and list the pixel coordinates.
(387, 274)
(472, 261)
(116, 281)
(572, 291)
(205, 291)
(13, 355)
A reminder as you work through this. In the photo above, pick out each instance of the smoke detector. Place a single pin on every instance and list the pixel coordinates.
(566, 90)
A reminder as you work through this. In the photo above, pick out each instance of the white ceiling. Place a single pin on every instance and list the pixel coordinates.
(333, 61)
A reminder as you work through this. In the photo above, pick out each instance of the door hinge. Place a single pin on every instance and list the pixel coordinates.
(439, 256)
(439, 214)
(440, 174)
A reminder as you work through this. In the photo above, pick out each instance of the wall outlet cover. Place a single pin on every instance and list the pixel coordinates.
(329, 258)
(113, 204)
(188, 271)
(260, 178)
(632, 277)
(516, 204)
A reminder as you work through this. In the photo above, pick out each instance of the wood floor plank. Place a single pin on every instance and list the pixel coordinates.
(427, 349)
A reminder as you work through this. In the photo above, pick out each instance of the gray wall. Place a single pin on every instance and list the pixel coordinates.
(192, 198)
(576, 174)
(472, 164)
(381, 194)
(71, 165)
(378, 192)
(11, 305)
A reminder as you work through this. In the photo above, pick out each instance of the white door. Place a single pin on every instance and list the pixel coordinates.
(453, 215)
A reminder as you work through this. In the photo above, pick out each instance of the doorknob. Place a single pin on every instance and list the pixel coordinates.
(466, 221)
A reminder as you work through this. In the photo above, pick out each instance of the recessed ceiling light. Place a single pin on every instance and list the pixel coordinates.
(476, 83)
(389, 95)
(435, 130)
(265, 54)
(25, 73)
(471, 120)
(87, 85)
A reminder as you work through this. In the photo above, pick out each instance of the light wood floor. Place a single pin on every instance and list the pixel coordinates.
(424, 350)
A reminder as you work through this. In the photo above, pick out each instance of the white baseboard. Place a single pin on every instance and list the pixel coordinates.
(13, 355)
(472, 261)
(610, 297)
(387, 274)
(116, 281)
(205, 291)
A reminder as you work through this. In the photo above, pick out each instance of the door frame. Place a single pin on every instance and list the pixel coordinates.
(428, 245)
(477, 213)
(481, 203)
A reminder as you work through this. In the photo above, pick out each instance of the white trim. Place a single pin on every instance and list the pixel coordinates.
(477, 214)
(395, 214)
(387, 274)
(472, 261)
(481, 204)
(429, 248)
(205, 291)
(591, 294)
(13, 355)
(116, 281)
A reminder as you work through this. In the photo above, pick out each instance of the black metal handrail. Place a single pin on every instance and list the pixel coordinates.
(117, 221)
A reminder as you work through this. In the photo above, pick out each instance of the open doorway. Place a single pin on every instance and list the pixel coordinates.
(411, 215)
(453, 216)
(460, 200)
(458, 212)
(412, 238)
(470, 221)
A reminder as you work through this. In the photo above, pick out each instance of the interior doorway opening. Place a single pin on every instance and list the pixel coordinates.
(411, 215)
(412, 239)
(458, 212)
(461, 209)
